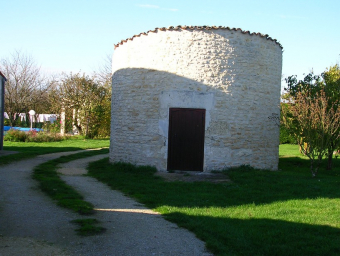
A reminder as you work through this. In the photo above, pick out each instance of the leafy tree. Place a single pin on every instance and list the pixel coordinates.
(314, 123)
(329, 83)
(83, 99)
(102, 114)
(331, 78)
(285, 135)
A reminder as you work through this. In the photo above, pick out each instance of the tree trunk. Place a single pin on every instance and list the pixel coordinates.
(330, 160)
(62, 122)
(331, 149)
(312, 168)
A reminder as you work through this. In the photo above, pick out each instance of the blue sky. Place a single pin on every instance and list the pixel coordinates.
(71, 36)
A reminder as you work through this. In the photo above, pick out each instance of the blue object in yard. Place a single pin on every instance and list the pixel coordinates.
(26, 129)
(6, 128)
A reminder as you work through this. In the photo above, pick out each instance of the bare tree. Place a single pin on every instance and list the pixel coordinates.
(26, 88)
(104, 73)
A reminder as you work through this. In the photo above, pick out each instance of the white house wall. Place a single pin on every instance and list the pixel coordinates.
(235, 76)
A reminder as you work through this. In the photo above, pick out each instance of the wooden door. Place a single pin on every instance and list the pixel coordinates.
(186, 139)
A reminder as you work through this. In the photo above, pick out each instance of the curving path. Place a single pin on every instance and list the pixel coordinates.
(31, 224)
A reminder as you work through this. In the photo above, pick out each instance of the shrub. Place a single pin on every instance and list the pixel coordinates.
(44, 137)
(285, 136)
(15, 135)
(32, 136)
(52, 127)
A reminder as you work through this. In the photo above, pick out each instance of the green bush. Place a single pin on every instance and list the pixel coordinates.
(38, 124)
(15, 135)
(285, 136)
(52, 127)
(32, 136)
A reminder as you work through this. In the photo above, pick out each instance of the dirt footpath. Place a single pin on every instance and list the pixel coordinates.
(31, 223)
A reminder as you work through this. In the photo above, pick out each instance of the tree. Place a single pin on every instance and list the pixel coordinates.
(314, 123)
(25, 88)
(329, 82)
(104, 74)
(102, 116)
(331, 78)
(83, 99)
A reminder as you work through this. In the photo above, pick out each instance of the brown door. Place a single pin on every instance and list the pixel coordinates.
(186, 139)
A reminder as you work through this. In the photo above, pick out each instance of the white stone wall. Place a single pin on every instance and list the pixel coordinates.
(236, 77)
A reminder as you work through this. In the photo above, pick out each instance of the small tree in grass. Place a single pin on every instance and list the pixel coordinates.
(314, 123)
(329, 81)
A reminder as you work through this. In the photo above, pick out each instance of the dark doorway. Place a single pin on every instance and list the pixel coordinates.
(186, 139)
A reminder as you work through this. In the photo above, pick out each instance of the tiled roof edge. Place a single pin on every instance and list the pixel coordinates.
(3, 76)
(266, 36)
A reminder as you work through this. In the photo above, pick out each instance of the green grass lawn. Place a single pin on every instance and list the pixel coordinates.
(259, 213)
(290, 150)
(31, 149)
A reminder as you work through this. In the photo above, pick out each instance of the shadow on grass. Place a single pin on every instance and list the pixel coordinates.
(298, 164)
(200, 207)
(248, 187)
(31, 149)
(25, 153)
(228, 236)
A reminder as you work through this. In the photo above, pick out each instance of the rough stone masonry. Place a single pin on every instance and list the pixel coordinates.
(233, 74)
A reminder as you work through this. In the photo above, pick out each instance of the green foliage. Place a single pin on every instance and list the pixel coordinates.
(15, 135)
(44, 137)
(52, 127)
(331, 79)
(311, 83)
(285, 136)
(32, 136)
(6, 122)
(86, 102)
(314, 123)
(88, 227)
(312, 87)
(100, 125)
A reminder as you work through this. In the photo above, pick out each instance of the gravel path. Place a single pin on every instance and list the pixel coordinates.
(31, 224)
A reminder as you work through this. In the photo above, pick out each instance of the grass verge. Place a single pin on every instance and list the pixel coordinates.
(31, 149)
(88, 227)
(259, 213)
(65, 195)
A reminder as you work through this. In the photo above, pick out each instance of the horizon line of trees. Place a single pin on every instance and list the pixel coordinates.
(85, 100)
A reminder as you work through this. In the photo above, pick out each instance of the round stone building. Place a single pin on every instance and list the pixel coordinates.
(196, 98)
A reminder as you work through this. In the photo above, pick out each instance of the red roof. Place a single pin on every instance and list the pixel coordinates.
(198, 28)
